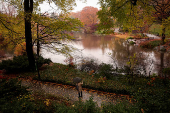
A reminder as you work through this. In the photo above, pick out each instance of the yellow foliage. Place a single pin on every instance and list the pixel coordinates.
(47, 102)
(20, 49)
(101, 79)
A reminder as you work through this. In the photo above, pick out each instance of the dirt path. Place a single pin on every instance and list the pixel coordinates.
(70, 92)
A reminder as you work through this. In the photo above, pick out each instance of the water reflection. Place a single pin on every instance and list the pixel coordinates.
(99, 47)
(107, 49)
(163, 62)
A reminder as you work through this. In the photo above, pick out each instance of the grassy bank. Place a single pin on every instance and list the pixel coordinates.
(59, 73)
(148, 94)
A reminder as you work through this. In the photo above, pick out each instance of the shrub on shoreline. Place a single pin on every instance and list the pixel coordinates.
(20, 64)
(150, 44)
(129, 38)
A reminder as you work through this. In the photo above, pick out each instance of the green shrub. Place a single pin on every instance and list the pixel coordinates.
(42, 61)
(11, 88)
(121, 107)
(166, 71)
(88, 65)
(105, 70)
(129, 38)
(131, 42)
(20, 64)
(19, 106)
(154, 96)
(155, 43)
(150, 44)
(61, 108)
(14, 98)
(86, 107)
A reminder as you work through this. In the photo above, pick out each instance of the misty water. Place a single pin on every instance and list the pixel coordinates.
(112, 50)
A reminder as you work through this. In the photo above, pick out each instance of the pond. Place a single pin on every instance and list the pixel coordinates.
(113, 50)
(107, 49)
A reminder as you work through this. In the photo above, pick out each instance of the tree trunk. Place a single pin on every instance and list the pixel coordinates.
(163, 35)
(28, 8)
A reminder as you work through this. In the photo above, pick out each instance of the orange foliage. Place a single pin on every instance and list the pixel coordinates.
(91, 72)
(88, 15)
(20, 49)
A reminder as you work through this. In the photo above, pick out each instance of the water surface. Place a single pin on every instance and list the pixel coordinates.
(112, 50)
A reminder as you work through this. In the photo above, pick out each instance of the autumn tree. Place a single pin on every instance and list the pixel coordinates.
(31, 6)
(88, 15)
(11, 26)
(50, 30)
(162, 14)
(28, 10)
(134, 14)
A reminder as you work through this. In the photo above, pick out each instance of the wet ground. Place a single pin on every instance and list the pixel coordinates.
(71, 93)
